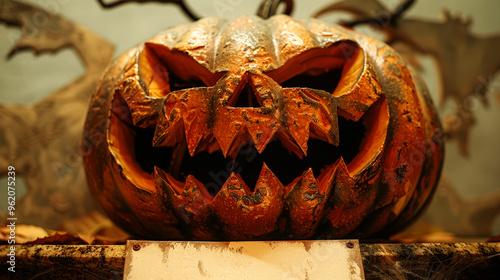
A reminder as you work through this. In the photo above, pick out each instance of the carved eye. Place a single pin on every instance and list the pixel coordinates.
(316, 78)
(323, 68)
(319, 147)
(162, 70)
(320, 75)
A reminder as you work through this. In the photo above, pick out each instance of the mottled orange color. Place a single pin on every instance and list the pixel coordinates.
(262, 129)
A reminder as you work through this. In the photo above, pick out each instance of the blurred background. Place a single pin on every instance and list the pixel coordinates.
(466, 204)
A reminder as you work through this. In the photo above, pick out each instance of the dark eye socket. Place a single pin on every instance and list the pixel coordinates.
(177, 83)
(318, 68)
(324, 79)
(163, 70)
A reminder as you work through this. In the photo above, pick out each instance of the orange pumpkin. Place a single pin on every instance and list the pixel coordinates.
(261, 129)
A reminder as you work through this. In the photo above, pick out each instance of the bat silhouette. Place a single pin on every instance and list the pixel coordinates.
(467, 62)
(43, 140)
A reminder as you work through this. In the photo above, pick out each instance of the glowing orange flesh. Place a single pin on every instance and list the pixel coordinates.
(318, 131)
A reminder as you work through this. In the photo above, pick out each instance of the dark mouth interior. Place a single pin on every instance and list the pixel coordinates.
(213, 169)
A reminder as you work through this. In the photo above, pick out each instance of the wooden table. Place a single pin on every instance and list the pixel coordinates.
(380, 261)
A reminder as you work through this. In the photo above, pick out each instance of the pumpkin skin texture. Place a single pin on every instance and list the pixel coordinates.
(256, 129)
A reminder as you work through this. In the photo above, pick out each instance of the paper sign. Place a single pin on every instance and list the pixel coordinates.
(319, 259)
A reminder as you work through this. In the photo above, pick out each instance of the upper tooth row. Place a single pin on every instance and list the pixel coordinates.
(190, 119)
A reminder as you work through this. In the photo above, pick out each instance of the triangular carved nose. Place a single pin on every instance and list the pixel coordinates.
(245, 95)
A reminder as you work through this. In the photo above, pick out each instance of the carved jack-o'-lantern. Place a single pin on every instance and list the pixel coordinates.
(261, 129)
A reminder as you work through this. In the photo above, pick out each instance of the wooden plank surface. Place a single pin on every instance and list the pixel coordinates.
(380, 261)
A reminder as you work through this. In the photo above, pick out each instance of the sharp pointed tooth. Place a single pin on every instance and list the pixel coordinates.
(227, 128)
(261, 128)
(324, 128)
(318, 132)
(339, 214)
(209, 144)
(192, 208)
(351, 200)
(227, 205)
(181, 119)
(290, 144)
(241, 140)
(312, 118)
(195, 118)
(327, 178)
(195, 189)
(297, 128)
(306, 204)
(143, 108)
(332, 129)
(188, 202)
(341, 170)
(195, 130)
(232, 190)
(169, 130)
(249, 215)
(167, 185)
(190, 192)
(268, 184)
(299, 132)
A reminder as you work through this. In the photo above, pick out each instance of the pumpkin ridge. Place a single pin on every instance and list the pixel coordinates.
(320, 145)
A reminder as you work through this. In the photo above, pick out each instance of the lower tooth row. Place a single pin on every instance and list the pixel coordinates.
(267, 182)
(255, 213)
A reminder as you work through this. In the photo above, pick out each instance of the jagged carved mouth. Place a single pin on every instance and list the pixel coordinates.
(359, 143)
(213, 169)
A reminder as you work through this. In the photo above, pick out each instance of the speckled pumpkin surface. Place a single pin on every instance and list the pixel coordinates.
(261, 129)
